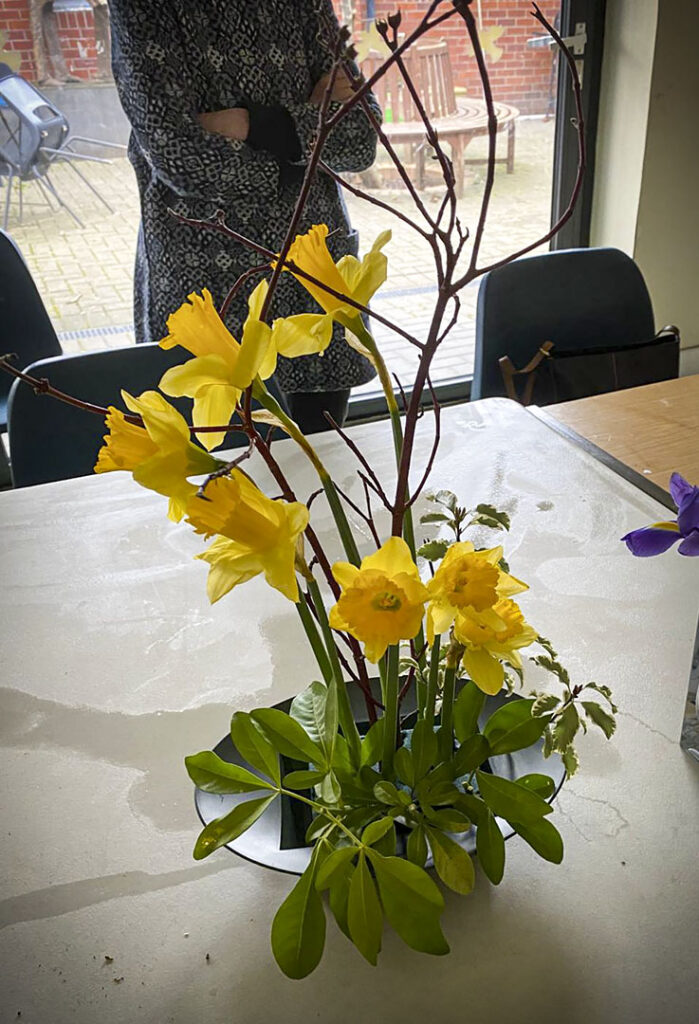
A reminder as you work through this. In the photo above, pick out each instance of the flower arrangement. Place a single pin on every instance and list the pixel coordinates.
(437, 623)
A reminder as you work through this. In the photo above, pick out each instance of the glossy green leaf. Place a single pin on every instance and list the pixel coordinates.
(338, 895)
(210, 773)
(501, 519)
(417, 846)
(470, 755)
(315, 709)
(329, 789)
(224, 830)
(333, 863)
(452, 863)
(373, 832)
(542, 785)
(412, 903)
(252, 744)
(303, 779)
(472, 806)
(544, 838)
(423, 745)
(512, 727)
(364, 913)
(403, 764)
(298, 929)
(372, 744)
(600, 717)
(490, 847)
(449, 819)
(445, 497)
(288, 737)
(510, 800)
(467, 708)
(439, 794)
(387, 793)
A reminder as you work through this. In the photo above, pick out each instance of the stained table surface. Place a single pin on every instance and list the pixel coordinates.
(115, 667)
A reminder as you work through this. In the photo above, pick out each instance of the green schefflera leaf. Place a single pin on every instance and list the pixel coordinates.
(512, 727)
(423, 747)
(303, 779)
(470, 755)
(315, 709)
(403, 762)
(490, 847)
(467, 708)
(288, 737)
(338, 896)
(417, 846)
(333, 864)
(376, 830)
(224, 830)
(387, 793)
(452, 863)
(542, 785)
(372, 744)
(412, 903)
(298, 929)
(212, 774)
(364, 913)
(252, 744)
(510, 800)
(544, 838)
(449, 820)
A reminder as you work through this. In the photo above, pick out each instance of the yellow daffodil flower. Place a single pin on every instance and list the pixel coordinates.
(491, 637)
(383, 601)
(301, 335)
(254, 535)
(467, 579)
(160, 455)
(221, 369)
(350, 276)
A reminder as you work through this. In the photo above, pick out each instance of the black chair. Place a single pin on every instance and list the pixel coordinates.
(51, 440)
(576, 298)
(25, 328)
(34, 134)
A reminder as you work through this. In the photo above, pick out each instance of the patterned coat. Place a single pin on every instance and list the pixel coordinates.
(173, 59)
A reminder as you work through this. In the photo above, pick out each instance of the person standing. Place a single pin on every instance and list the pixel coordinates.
(49, 62)
(223, 97)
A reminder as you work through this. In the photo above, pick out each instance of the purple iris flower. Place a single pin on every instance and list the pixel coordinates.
(653, 540)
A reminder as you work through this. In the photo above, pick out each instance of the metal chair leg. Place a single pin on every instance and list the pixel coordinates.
(49, 185)
(46, 195)
(8, 198)
(90, 185)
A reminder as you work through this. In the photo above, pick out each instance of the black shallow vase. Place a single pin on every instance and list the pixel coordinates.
(277, 839)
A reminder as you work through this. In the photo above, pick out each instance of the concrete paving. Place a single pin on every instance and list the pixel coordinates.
(84, 275)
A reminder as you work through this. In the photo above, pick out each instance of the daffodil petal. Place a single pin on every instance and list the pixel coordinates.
(214, 406)
(189, 378)
(302, 334)
(485, 671)
(392, 557)
(257, 339)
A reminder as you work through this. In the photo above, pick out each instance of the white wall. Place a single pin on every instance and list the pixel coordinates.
(629, 42)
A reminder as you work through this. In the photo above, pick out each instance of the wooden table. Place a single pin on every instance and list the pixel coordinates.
(653, 429)
(115, 666)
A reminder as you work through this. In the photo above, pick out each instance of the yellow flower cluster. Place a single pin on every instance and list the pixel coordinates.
(383, 601)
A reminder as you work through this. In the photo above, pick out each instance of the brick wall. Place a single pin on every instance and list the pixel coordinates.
(76, 31)
(521, 76)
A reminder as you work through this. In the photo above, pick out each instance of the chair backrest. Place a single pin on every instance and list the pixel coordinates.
(576, 298)
(25, 328)
(28, 121)
(50, 440)
(429, 66)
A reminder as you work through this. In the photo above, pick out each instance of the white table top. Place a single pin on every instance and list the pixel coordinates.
(115, 667)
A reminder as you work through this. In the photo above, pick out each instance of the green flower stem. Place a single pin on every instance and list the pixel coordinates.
(446, 729)
(431, 699)
(268, 402)
(347, 722)
(321, 809)
(315, 641)
(389, 686)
